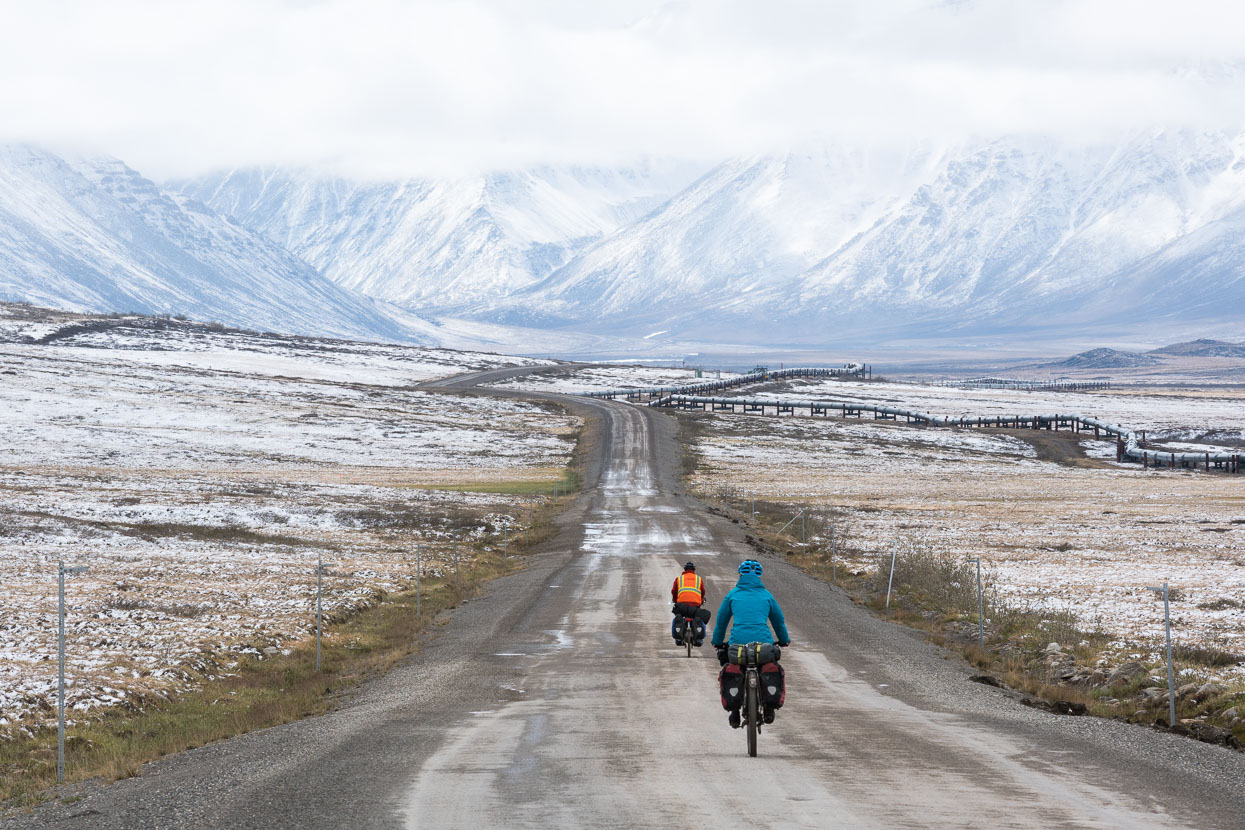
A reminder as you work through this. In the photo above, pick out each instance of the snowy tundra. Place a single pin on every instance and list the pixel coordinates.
(200, 474)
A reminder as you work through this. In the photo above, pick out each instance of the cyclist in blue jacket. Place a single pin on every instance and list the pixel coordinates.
(753, 610)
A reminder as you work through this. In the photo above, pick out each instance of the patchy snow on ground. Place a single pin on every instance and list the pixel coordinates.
(1084, 536)
(200, 483)
(213, 348)
(602, 378)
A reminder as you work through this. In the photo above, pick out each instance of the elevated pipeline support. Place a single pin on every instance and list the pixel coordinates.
(1128, 441)
(652, 394)
(1015, 384)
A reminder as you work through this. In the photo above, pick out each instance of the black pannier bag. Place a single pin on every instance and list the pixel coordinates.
(679, 625)
(695, 612)
(731, 683)
(753, 654)
(773, 685)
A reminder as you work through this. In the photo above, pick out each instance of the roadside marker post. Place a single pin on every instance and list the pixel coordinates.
(1171, 676)
(320, 566)
(419, 577)
(60, 678)
(834, 563)
(981, 624)
(458, 585)
(891, 581)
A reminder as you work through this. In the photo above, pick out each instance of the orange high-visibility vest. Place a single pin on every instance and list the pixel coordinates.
(691, 589)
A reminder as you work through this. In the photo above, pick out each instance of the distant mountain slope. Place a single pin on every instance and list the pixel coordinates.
(1016, 234)
(1203, 348)
(441, 244)
(745, 229)
(1104, 359)
(92, 234)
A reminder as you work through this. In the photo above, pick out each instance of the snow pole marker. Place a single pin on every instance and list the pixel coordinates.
(60, 648)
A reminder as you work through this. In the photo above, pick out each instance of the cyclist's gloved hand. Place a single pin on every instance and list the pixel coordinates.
(784, 645)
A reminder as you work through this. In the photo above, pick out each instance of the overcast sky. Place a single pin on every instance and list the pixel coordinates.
(397, 88)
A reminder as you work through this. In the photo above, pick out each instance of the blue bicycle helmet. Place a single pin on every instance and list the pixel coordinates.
(750, 566)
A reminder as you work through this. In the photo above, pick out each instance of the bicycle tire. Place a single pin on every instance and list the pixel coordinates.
(752, 713)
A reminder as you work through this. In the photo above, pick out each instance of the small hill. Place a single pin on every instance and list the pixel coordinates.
(1105, 359)
(1203, 348)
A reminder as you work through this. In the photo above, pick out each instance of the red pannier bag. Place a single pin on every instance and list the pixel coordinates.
(773, 685)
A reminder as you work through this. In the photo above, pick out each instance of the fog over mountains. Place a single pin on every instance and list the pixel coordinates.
(824, 245)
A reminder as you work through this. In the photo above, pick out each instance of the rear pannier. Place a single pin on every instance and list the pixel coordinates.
(731, 682)
(773, 685)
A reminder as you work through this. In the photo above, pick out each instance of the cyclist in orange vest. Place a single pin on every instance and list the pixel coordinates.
(689, 595)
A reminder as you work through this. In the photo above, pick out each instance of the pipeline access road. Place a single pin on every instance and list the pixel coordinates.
(558, 700)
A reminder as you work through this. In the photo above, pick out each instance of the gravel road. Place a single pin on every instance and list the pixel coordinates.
(559, 700)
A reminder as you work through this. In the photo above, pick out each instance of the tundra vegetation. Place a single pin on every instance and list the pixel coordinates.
(202, 474)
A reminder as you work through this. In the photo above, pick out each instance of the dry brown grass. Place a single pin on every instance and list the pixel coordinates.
(260, 693)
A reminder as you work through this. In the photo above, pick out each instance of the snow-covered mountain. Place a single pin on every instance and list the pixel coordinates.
(92, 234)
(440, 244)
(824, 245)
(728, 242)
(1018, 234)
(1017, 230)
(827, 242)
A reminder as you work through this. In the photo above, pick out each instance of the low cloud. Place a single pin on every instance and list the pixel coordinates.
(400, 88)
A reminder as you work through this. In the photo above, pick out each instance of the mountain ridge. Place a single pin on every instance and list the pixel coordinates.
(438, 245)
(1015, 237)
(89, 233)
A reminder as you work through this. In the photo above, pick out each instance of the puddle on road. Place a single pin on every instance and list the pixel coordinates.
(561, 639)
(629, 538)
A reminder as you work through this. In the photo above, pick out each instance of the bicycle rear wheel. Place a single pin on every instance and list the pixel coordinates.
(688, 640)
(752, 714)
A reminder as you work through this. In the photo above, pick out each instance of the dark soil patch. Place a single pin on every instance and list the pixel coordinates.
(1057, 447)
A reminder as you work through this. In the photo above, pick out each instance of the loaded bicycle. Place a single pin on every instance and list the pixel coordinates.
(689, 633)
(759, 691)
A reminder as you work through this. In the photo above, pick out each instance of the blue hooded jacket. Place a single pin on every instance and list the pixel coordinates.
(754, 609)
